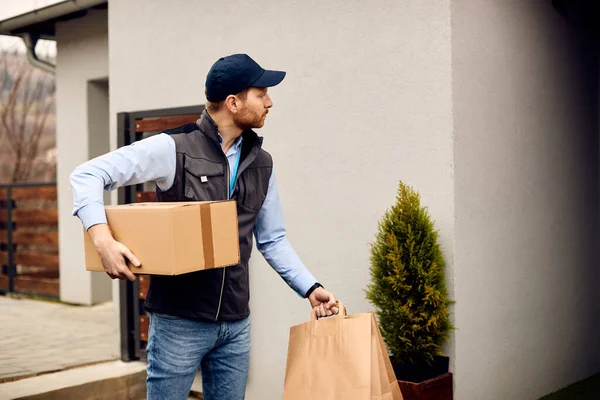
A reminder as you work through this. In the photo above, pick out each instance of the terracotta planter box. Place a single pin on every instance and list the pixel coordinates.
(438, 388)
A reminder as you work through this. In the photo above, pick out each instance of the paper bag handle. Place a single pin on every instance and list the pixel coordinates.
(341, 313)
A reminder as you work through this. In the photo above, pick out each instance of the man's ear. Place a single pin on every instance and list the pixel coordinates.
(232, 103)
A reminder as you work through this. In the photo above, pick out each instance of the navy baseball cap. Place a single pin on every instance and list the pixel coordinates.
(235, 73)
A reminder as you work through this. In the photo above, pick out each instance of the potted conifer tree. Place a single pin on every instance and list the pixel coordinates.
(408, 291)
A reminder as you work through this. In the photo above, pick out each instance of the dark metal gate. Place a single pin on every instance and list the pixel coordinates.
(132, 127)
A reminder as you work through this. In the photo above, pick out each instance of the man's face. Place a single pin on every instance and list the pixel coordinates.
(253, 110)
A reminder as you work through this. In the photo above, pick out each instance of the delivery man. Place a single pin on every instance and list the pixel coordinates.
(201, 319)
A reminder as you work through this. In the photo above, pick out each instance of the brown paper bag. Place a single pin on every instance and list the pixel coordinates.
(339, 358)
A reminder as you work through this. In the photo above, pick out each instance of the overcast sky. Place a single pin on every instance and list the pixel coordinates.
(44, 47)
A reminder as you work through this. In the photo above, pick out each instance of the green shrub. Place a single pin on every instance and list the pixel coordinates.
(408, 286)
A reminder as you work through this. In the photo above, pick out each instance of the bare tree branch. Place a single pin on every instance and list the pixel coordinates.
(24, 115)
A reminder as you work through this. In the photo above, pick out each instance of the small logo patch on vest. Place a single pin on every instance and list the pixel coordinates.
(203, 179)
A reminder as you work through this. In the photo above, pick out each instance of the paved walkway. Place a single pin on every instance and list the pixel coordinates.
(39, 336)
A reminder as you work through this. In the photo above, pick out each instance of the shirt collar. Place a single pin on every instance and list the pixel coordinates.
(236, 145)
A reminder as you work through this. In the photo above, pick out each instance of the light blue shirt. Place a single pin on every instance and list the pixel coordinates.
(154, 160)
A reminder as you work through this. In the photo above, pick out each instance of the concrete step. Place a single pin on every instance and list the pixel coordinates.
(114, 380)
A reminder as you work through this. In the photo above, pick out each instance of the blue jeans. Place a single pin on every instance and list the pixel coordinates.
(177, 347)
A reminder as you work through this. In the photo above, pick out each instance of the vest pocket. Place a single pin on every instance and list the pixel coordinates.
(204, 179)
(252, 190)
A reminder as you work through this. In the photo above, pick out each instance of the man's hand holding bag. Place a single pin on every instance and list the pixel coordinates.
(339, 358)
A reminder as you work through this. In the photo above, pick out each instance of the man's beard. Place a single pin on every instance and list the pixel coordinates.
(247, 119)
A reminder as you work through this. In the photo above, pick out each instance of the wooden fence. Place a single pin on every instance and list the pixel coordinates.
(29, 239)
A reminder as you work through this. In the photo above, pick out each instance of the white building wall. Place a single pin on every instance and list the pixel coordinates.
(82, 56)
(526, 170)
(366, 103)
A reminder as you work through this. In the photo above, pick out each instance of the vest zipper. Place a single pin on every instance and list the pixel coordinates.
(227, 184)
(225, 268)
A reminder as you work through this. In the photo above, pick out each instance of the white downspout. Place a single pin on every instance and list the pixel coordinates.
(30, 43)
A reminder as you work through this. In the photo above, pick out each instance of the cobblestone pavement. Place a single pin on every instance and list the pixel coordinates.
(39, 336)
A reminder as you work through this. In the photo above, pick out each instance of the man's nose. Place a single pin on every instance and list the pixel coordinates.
(268, 102)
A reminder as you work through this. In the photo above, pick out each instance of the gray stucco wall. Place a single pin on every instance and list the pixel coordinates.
(526, 170)
(367, 102)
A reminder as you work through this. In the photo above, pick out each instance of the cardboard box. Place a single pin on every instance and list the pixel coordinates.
(173, 238)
